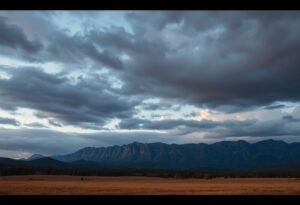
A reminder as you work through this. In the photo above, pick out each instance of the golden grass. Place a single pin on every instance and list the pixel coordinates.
(73, 185)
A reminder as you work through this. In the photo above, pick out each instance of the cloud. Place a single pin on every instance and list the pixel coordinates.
(227, 61)
(172, 124)
(8, 121)
(271, 107)
(290, 118)
(287, 126)
(54, 96)
(57, 45)
(76, 49)
(36, 125)
(13, 37)
(272, 128)
(52, 122)
(37, 141)
(234, 59)
(239, 66)
(49, 142)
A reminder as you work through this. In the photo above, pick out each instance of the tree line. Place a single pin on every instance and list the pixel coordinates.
(208, 174)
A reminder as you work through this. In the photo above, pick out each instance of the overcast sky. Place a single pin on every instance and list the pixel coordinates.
(71, 79)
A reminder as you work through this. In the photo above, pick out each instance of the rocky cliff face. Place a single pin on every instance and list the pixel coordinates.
(226, 154)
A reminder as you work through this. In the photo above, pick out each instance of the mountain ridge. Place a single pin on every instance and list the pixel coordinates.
(224, 154)
(34, 157)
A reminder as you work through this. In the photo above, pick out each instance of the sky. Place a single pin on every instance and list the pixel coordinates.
(74, 79)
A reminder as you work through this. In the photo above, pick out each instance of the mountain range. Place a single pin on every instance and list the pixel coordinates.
(222, 155)
(233, 155)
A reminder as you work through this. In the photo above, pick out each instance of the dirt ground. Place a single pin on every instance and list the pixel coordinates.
(75, 185)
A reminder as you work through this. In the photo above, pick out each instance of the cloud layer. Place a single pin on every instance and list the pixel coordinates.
(193, 75)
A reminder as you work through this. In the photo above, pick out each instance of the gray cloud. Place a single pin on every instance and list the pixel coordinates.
(36, 125)
(49, 142)
(287, 126)
(59, 46)
(244, 45)
(243, 66)
(76, 49)
(38, 141)
(160, 106)
(53, 122)
(172, 124)
(55, 97)
(290, 118)
(13, 37)
(271, 107)
(271, 128)
(8, 121)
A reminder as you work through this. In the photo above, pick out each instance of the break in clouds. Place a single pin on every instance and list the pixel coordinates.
(70, 79)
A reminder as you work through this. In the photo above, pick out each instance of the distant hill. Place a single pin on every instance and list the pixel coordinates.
(221, 155)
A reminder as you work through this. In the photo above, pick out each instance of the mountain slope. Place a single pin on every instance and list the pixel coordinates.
(48, 162)
(226, 154)
(10, 162)
(45, 162)
(34, 157)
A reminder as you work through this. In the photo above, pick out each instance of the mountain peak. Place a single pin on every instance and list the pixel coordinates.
(271, 141)
(243, 141)
(34, 157)
(135, 143)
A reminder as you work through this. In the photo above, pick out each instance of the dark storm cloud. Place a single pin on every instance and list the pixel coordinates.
(159, 19)
(287, 126)
(134, 123)
(290, 118)
(244, 59)
(270, 128)
(118, 39)
(75, 49)
(271, 107)
(13, 37)
(59, 46)
(8, 121)
(159, 106)
(247, 58)
(251, 62)
(54, 96)
(36, 125)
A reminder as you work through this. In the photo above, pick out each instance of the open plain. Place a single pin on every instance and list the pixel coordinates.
(77, 185)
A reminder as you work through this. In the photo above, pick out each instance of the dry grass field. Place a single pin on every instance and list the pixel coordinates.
(73, 185)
